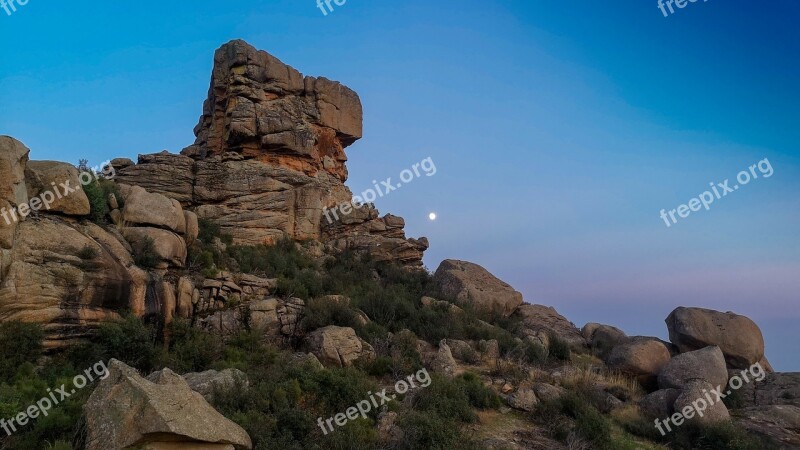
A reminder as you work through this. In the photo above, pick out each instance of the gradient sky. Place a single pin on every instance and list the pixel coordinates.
(559, 130)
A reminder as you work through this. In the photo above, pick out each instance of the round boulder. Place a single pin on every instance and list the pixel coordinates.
(738, 337)
(707, 364)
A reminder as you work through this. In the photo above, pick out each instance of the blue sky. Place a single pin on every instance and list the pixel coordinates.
(559, 130)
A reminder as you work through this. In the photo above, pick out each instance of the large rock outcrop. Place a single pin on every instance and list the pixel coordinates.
(269, 159)
(469, 283)
(128, 411)
(737, 336)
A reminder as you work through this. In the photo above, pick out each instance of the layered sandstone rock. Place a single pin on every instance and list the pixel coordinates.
(269, 159)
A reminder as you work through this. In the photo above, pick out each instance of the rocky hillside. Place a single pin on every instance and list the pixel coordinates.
(229, 314)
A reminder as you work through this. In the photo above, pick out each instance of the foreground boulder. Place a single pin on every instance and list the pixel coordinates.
(126, 410)
(738, 337)
(467, 283)
(707, 364)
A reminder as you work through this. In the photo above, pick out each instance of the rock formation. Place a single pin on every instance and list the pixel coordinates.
(269, 158)
(128, 411)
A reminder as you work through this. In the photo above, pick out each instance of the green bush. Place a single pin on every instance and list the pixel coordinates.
(20, 343)
(145, 254)
(129, 340)
(97, 192)
(429, 431)
(559, 349)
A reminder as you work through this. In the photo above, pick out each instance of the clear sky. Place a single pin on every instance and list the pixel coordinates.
(559, 130)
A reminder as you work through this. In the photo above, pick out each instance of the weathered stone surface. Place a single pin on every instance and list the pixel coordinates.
(13, 192)
(444, 363)
(146, 208)
(126, 410)
(205, 383)
(693, 391)
(69, 277)
(706, 364)
(738, 337)
(269, 158)
(192, 227)
(168, 246)
(777, 423)
(48, 176)
(766, 389)
(643, 358)
(659, 404)
(537, 319)
(470, 283)
(338, 346)
(183, 307)
(523, 399)
(547, 392)
(602, 337)
(161, 173)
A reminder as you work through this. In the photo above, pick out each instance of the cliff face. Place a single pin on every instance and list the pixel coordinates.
(269, 157)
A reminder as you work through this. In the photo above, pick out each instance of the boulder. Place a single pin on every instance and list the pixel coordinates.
(547, 392)
(48, 176)
(208, 382)
(694, 391)
(169, 248)
(643, 358)
(443, 362)
(707, 364)
(659, 404)
(602, 337)
(126, 410)
(738, 337)
(538, 319)
(524, 399)
(470, 283)
(338, 346)
(156, 210)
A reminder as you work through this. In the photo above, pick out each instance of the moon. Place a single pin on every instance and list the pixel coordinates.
(432, 216)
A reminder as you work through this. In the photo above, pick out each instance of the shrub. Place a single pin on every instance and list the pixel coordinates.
(427, 430)
(129, 340)
(20, 343)
(322, 312)
(446, 398)
(479, 395)
(559, 349)
(97, 192)
(87, 253)
(145, 254)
